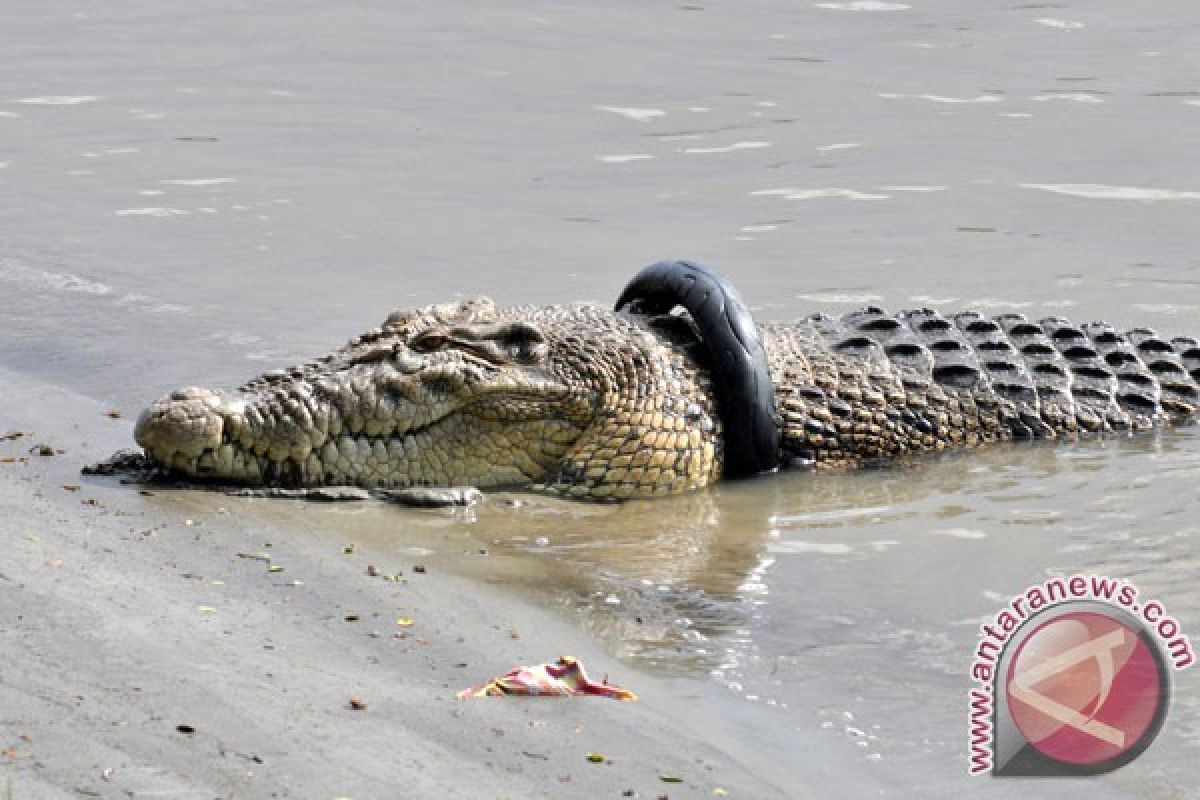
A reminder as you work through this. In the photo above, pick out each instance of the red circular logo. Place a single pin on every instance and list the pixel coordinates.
(1085, 688)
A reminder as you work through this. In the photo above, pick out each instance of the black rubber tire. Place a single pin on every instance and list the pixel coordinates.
(740, 376)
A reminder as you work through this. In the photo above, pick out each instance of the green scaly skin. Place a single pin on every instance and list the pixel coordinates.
(580, 401)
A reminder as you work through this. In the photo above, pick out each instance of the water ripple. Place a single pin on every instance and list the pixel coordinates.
(151, 212)
(623, 158)
(198, 181)
(865, 5)
(58, 100)
(1104, 192)
(940, 98)
(1062, 24)
(637, 114)
(812, 194)
(728, 148)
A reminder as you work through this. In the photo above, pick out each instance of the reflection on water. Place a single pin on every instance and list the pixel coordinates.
(655, 581)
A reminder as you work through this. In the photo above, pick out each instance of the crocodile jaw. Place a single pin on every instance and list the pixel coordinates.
(222, 437)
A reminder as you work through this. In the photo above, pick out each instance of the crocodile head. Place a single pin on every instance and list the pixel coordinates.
(574, 399)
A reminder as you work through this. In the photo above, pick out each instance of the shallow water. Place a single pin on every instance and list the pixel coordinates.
(193, 195)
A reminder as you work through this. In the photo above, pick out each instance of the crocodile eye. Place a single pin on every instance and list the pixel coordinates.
(522, 343)
(427, 343)
(528, 352)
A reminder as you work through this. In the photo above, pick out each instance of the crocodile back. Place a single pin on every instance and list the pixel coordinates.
(871, 385)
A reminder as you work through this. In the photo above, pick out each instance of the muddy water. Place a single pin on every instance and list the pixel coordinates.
(196, 193)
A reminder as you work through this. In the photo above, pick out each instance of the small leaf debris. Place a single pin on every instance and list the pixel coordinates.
(595, 758)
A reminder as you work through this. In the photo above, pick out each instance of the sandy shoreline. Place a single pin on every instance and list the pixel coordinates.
(115, 633)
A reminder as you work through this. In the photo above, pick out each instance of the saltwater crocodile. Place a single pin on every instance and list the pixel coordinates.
(591, 403)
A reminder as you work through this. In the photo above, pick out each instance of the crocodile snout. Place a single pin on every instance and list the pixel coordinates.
(181, 426)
